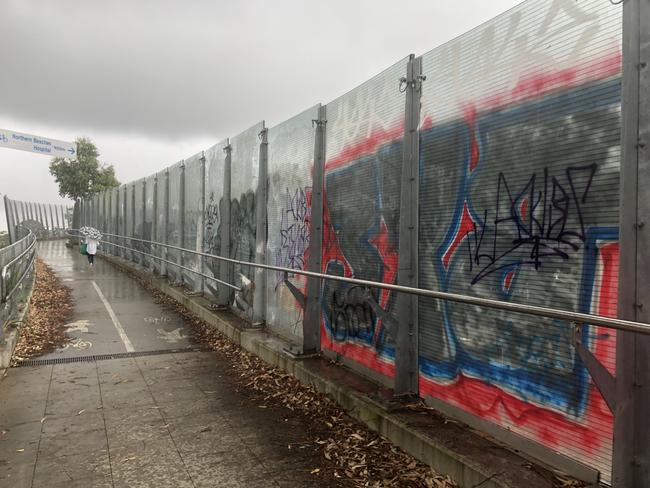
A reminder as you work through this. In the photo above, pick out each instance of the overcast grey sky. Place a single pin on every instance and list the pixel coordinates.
(154, 81)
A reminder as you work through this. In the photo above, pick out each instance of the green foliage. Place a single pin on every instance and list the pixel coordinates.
(85, 175)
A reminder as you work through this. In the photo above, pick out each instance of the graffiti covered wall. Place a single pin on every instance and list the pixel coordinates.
(174, 220)
(519, 170)
(213, 210)
(243, 231)
(361, 217)
(193, 214)
(518, 201)
(290, 168)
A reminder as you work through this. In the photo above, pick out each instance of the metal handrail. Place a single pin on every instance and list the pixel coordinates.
(234, 287)
(573, 317)
(4, 294)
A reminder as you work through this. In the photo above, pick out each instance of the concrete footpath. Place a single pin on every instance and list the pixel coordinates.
(152, 417)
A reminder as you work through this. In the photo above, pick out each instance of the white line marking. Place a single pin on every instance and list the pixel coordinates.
(116, 322)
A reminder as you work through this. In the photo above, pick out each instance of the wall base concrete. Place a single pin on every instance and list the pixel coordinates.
(451, 448)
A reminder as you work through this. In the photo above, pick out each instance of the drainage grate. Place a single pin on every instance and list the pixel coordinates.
(103, 357)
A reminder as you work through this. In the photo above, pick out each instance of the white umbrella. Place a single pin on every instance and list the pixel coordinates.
(90, 232)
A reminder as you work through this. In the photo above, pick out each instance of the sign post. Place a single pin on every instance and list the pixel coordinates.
(41, 145)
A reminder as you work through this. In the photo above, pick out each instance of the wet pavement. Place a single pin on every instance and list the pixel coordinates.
(169, 419)
(112, 313)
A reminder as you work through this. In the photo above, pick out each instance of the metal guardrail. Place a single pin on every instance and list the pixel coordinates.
(7, 292)
(171, 263)
(576, 318)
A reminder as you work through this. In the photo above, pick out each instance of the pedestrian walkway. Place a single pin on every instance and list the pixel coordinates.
(154, 417)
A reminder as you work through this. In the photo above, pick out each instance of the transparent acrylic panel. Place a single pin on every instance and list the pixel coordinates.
(130, 220)
(161, 221)
(364, 134)
(139, 218)
(519, 170)
(121, 222)
(106, 211)
(290, 166)
(113, 224)
(193, 211)
(149, 216)
(215, 158)
(243, 227)
(174, 228)
(96, 211)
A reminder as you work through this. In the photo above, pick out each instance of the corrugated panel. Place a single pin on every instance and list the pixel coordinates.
(106, 210)
(122, 229)
(215, 158)
(243, 188)
(193, 210)
(174, 224)
(138, 191)
(130, 220)
(161, 220)
(113, 223)
(290, 165)
(149, 217)
(519, 170)
(361, 216)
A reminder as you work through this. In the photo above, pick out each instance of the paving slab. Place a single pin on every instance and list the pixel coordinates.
(164, 420)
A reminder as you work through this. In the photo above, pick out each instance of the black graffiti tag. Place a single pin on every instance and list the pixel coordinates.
(542, 221)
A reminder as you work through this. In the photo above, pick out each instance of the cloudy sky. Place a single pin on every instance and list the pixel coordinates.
(154, 81)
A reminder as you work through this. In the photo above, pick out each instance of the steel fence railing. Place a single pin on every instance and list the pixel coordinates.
(16, 263)
(575, 318)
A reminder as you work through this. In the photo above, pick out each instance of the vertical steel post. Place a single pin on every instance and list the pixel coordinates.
(141, 257)
(165, 233)
(134, 255)
(154, 222)
(631, 457)
(181, 224)
(259, 295)
(23, 212)
(76, 220)
(125, 230)
(11, 213)
(312, 316)
(225, 269)
(58, 222)
(10, 226)
(406, 340)
(200, 245)
(41, 216)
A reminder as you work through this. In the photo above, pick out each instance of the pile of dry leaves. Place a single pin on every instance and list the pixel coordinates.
(353, 453)
(49, 309)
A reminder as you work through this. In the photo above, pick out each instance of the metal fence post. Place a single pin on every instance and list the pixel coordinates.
(225, 269)
(11, 211)
(259, 295)
(10, 229)
(154, 222)
(406, 335)
(165, 234)
(41, 216)
(56, 213)
(200, 244)
(181, 223)
(631, 456)
(312, 317)
(141, 257)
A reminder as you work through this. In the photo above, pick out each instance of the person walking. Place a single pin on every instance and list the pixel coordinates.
(91, 249)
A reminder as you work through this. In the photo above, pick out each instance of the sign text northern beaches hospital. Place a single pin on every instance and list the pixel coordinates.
(37, 144)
